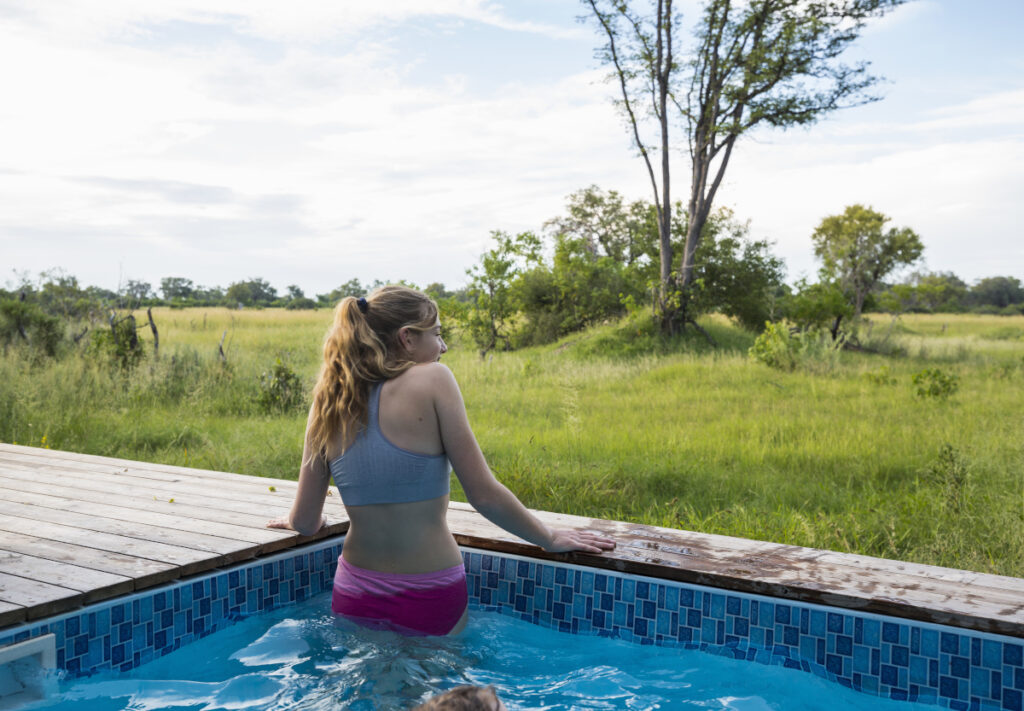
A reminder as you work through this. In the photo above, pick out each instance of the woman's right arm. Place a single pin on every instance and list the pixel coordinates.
(485, 493)
(306, 515)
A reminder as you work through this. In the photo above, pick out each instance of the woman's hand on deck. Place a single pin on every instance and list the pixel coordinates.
(285, 522)
(564, 540)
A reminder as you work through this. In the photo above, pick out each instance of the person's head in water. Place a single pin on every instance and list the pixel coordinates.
(372, 339)
(464, 698)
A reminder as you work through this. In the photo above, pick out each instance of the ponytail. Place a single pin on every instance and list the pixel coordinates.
(362, 348)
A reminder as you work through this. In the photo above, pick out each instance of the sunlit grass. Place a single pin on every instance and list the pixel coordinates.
(684, 436)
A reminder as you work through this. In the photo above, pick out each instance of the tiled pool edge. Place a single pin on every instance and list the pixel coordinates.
(872, 653)
(900, 659)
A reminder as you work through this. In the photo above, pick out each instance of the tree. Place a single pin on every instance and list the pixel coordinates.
(490, 288)
(135, 291)
(609, 227)
(815, 306)
(578, 288)
(176, 288)
(997, 291)
(735, 275)
(208, 296)
(251, 292)
(857, 254)
(436, 291)
(936, 292)
(352, 287)
(762, 62)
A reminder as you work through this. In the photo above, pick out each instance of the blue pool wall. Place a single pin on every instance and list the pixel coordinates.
(891, 657)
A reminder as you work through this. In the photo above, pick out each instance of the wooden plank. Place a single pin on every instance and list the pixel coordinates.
(769, 573)
(38, 599)
(228, 548)
(188, 560)
(783, 562)
(884, 566)
(131, 497)
(142, 571)
(258, 501)
(216, 508)
(255, 487)
(147, 515)
(677, 546)
(205, 474)
(69, 460)
(11, 614)
(94, 584)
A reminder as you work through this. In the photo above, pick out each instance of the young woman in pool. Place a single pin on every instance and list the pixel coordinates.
(386, 420)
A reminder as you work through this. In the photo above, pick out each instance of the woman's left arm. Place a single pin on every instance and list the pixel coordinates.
(306, 516)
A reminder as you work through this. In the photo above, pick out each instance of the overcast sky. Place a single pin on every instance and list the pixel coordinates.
(312, 142)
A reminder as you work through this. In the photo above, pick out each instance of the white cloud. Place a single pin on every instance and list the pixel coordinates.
(1004, 108)
(959, 192)
(228, 161)
(297, 21)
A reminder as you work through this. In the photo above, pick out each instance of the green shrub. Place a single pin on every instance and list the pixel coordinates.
(935, 383)
(26, 322)
(778, 347)
(951, 473)
(280, 389)
(120, 343)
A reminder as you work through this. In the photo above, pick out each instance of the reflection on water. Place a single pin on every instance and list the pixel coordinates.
(300, 658)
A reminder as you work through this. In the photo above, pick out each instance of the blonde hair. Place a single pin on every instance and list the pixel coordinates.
(362, 348)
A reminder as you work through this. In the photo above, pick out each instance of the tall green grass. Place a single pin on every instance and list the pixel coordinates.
(620, 423)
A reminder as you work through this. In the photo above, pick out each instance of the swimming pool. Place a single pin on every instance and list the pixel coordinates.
(297, 657)
(899, 659)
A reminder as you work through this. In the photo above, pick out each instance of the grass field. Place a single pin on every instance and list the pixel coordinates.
(616, 424)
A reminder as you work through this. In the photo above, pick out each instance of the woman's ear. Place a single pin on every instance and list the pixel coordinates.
(404, 339)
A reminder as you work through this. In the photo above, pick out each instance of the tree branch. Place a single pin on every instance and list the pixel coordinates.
(625, 100)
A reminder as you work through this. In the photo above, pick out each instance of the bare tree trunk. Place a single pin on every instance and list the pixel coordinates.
(662, 70)
(133, 339)
(835, 328)
(664, 20)
(156, 336)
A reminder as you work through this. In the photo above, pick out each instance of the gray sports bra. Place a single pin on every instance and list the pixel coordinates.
(375, 471)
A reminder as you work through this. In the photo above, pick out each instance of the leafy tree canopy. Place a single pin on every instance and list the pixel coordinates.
(857, 252)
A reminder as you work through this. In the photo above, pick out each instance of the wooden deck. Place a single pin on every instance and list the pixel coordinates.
(77, 529)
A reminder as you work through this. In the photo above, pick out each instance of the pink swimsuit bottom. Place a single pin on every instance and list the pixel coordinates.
(413, 604)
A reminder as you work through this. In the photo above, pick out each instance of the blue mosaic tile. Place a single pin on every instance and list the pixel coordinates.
(896, 659)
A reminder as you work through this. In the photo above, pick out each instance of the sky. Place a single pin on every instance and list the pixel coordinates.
(310, 143)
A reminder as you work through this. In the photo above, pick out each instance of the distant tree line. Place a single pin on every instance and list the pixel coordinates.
(598, 261)
(61, 295)
(945, 292)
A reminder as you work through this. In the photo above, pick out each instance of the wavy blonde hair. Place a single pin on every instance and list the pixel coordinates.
(361, 349)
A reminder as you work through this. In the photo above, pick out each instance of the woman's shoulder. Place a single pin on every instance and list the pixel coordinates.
(428, 375)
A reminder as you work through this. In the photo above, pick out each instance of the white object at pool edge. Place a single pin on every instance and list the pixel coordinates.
(23, 667)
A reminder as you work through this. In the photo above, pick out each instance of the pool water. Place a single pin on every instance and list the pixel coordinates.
(299, 658)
